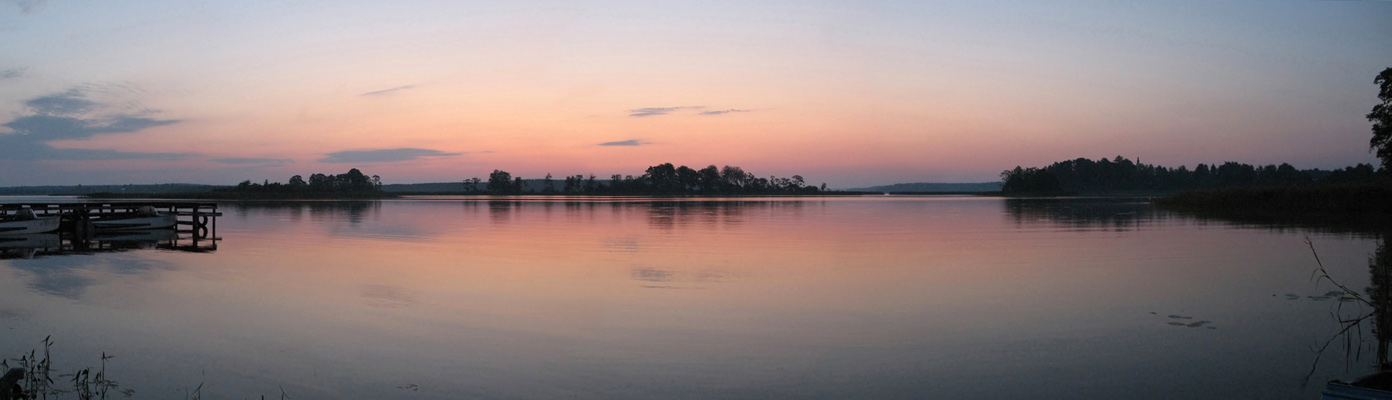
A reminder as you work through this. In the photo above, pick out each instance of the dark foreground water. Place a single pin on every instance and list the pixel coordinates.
(873, 297)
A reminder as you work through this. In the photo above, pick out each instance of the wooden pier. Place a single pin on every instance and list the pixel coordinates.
(195, 226)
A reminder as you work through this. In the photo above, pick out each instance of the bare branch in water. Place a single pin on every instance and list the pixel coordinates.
(1322, 274)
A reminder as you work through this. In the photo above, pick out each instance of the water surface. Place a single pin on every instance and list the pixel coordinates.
(862, 297)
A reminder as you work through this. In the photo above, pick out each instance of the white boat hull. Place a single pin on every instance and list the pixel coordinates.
(150, 222)
(28, 226)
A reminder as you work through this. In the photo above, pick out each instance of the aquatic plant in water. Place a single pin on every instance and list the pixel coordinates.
(32, 377)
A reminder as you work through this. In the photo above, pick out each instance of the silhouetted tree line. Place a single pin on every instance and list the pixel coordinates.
(663, 179)
(349, 184)
(1122, 175)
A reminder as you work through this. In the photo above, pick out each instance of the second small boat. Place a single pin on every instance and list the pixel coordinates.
(144, 218)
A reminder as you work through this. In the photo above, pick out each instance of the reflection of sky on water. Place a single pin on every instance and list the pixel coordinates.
(11, 314)
(70, 275)
(835, 298)
(658, 278)
(651, 275)
(624, 244)
(387, 296)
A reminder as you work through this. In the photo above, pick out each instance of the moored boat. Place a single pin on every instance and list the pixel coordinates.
(1343, 391)
(144, 218)
(1372, 387)
(24, 222)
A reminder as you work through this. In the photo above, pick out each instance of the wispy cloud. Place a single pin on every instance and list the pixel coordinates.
(28, 6)
(651, 111)
(11, 73)
(253, 161)
(385, 92)
(71, 102)
(49, 128)
(383, 155)
(71, 116)
(629, 142)
(719, 112)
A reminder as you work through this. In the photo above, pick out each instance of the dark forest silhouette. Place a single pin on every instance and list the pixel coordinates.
(658, 180)
(1120, 175)
(1083, 176)
(351, 184)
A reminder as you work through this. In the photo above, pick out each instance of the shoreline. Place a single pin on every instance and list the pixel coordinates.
(397, 195)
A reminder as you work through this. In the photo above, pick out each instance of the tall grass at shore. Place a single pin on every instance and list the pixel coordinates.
(35, 373)
(32, 376)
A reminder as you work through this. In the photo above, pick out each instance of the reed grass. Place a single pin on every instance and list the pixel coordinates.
(38, 373)
(40, 380)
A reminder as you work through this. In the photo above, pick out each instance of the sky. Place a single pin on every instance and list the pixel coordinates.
(847, 93)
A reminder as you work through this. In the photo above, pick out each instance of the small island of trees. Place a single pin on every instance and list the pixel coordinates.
(352, 184)
(658, 180)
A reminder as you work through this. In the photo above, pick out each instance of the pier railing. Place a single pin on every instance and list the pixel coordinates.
(195, 228)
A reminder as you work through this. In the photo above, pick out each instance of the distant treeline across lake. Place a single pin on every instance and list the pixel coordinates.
(1120, 175)
(658, 180)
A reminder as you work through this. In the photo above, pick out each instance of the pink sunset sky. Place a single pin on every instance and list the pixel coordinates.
(847, 93)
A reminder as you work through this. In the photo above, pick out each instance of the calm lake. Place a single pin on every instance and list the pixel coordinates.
(858, 297)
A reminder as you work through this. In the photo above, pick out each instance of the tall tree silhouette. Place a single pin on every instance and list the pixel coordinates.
(546, 185)
(1382, 119)
(499, 182)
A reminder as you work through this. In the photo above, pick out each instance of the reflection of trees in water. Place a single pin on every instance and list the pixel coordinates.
(662, 214)
(672, 214)
(584, 209)
(1363, 225)
(500, 211)
(1380, 294)
(352, 211)
(1125, 214)
(1120, 214)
